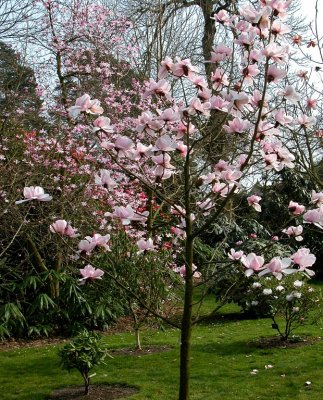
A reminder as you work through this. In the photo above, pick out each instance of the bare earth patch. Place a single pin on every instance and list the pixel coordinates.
(136, 352)
(97, 392)
(276, 342)
(13, 344)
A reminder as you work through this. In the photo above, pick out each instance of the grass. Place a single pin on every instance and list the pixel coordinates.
(223, 355)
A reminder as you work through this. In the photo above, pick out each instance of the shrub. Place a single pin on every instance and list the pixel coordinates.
(292, 299)
(83, 353)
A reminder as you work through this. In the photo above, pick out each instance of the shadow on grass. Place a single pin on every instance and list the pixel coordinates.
(227, 318)
(223, 348)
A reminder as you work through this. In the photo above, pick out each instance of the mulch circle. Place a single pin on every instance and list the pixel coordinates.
(96, 392)
(276, 342)
(142, 352)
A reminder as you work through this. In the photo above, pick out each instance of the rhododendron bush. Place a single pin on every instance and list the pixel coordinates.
(130, 202)
(287, 303)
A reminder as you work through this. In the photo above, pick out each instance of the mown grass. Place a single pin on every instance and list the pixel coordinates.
(224, 352)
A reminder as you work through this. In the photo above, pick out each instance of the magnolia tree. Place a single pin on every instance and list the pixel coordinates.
(164, 154)
(64, 160)
(170, 191)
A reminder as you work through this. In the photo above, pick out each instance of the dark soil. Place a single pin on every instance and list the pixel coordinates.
(136, 352)
(97, 392)
(12, 344)
(277, 342)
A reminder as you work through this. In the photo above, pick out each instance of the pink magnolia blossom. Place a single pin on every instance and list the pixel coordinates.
(249, 73)
(317, 198)
(86, 105)
(254, 202)
(165, 66)
(231, 175)
(219, 79)
(63, 227)
(104, 179)
(311, 104)
(277, 53)
(295, 231)
(141, 151)
(197, 107)
(276, 156)
(237, 126)
(306, 121)
(204, 94)
(240, 101)
(302, 74)
(279, 7)
(290, 94)
(184, 129)
(127, 214)
(147, 122)
(179, 232)
(169, 115)
(200, 82)
(278, 267)
(164, 167)
(34, 193)
(223, 17)
(102, 124)
(314, 217)
(235, 255)
(253, 263)
(256, 99)
(90, 273)
(282, 118)
(184, 68)
(275, 74)
(218, 103)
(196, 273)
(178, 210)
(182, 149)
(165, 143)
(122, 145)
(88, 244)
(220, 53)
(304, 259)
(295, 208)
(259, 17)
(161, 88)
(279, 29)
(222, 188)
(206, 206)
(145, 245)
(246, 39)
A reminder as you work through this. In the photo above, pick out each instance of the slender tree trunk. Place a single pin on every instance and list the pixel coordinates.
(137, 336)
(86, 383)
(136, 325)
(186, 329)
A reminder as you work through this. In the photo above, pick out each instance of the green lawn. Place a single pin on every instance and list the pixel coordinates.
(223, 355)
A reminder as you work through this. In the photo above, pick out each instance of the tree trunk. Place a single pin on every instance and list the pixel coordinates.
(137, 336)
(186, 329)
(86, 383)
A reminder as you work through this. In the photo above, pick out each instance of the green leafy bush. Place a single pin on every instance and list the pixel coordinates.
(83, 353)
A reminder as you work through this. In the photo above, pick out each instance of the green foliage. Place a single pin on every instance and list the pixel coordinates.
(27, 309)
(83, 353)
(144, 279)
(18, 90)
